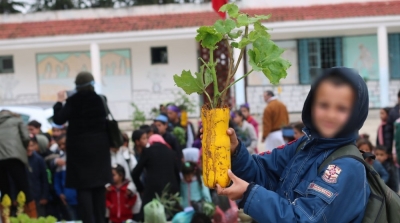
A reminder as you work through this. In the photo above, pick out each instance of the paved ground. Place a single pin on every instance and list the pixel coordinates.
(370, 126)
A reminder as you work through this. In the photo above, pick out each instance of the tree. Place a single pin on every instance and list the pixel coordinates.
(10, 6)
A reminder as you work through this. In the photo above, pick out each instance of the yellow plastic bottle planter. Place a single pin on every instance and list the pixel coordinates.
(184, 118)
(216, 155)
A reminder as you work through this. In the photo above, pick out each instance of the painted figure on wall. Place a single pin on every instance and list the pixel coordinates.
(365, 61)
(56, 71)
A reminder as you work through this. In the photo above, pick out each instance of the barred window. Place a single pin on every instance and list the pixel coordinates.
(394, 56)
(317, 54)
(6, 64)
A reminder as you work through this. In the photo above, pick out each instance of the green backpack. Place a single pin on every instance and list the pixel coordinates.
(383, 204)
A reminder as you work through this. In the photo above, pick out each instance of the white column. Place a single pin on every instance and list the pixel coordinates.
(239, 86)
(96, 66)
(383, 55)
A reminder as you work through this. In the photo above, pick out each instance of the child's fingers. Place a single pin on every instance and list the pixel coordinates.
(232, 176)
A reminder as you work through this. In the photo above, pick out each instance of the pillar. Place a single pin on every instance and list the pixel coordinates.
(96, 66)
(239, 86)
(383, 56)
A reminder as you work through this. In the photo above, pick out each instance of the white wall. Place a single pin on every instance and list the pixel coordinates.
(294, 3)
(150, 84)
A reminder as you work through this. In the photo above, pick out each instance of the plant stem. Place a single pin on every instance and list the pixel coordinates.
(205, 64)
(247, 74)
(241, 53)
(215, 80)
(209, 98)
(231, 61)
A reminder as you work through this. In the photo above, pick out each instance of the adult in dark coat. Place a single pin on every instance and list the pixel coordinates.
(162, 168)
(394, 114)
(89, 162)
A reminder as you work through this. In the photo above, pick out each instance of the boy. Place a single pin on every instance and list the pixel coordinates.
(67, 196)
(37, 176)
(161, 122)
(34, 127)
(385, 158)
(285, 186)
(140, 139)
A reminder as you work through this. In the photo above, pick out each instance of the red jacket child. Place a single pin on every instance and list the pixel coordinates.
(120, 202)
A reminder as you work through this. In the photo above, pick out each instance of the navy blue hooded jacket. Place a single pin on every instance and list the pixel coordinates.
(37, 176)
(287, 187)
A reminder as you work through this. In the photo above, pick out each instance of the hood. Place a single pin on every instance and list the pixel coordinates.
(43, 143)
(5, 115)
(360, 108)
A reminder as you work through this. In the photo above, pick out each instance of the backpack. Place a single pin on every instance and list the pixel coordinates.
(383, 203)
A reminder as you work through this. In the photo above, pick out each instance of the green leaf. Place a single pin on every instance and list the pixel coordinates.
(204, 78)
(224, 26)
(242, 20)
(254, 55)
(235, 44)
(188, 83)
(263, 17)
(235, 35)
(231, 9)
(208, 36)
(243, 43)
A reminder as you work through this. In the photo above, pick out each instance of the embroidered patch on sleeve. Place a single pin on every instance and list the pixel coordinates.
(331, 174)
(320, 189)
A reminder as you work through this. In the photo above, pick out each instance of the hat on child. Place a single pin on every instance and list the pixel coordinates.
(161, 118)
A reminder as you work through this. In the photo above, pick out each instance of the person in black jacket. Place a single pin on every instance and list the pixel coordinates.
(385, 130)
(385, 157)
(161, 166)
(37, 175)
(394, 114)
(161, 122)
(88, 146)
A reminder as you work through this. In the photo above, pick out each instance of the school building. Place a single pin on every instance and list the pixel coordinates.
(134, 52)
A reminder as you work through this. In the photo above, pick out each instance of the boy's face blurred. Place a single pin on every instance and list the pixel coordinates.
(162, 128)
(383, 115)
(33, 146)
(61, 144)
(332, 108)
(245, 112)
(381, 155)
(32, 130)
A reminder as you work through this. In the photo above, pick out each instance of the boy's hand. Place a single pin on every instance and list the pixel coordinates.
(232, 136)
(236, 190)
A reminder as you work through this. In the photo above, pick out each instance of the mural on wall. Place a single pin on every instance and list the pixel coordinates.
(290, 54)
(57, 71)
(157, 78)
(361, 53)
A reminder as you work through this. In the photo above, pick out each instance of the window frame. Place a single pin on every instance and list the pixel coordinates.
(7, 71)
(394, 55)
(151, 54)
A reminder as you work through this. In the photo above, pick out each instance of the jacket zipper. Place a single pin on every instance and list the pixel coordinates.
(118, 205)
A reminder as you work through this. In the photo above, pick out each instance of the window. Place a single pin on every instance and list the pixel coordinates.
(317, 54)
(159, 55)
(6, 64)
(394, 56)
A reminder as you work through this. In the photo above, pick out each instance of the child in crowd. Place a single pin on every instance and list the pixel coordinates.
(366, 146)
(245, 109)
(298, 130)
(384, 130)
(245, 131)
(34, 127)
(192, 187)
(385, 157)
(288, 181)
(37, 176)
(67, 196)
(140, 140)
(161, 122)
(120, 196)
(56, 131)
